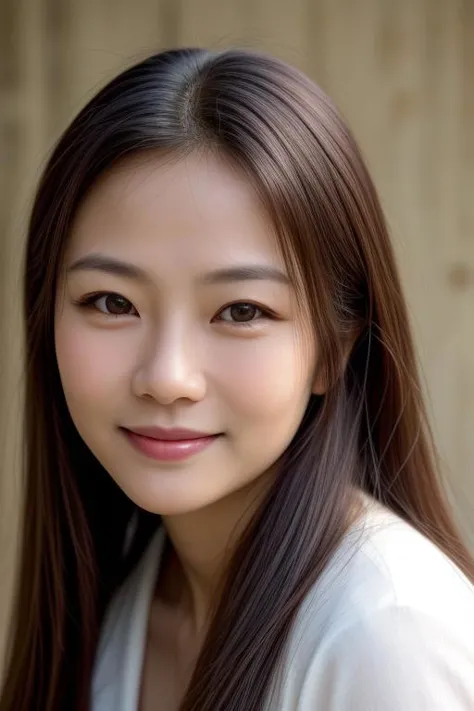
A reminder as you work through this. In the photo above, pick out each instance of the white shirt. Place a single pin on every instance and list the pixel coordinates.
(388, 627)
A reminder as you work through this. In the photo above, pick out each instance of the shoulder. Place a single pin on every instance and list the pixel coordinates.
(389, 626)
(396, 658)
(384, 563)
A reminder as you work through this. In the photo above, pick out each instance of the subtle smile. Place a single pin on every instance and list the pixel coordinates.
(168, 445)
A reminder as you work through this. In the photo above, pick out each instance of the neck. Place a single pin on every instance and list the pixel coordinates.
(200, 545)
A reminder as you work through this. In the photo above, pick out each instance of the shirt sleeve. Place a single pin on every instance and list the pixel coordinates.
(398, 659)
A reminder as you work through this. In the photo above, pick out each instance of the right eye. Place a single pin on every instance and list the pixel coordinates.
(109, 303)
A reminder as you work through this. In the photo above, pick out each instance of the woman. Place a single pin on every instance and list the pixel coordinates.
(232, 496)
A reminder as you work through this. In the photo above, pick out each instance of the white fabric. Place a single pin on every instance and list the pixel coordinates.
(389, 627)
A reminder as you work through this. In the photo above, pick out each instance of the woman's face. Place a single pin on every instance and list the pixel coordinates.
(174, 311)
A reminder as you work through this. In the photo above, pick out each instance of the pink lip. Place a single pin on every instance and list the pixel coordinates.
(168, 444)
(173, 434)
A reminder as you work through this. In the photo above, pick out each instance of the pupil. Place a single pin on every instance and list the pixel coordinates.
(242, 312)
(116, 304)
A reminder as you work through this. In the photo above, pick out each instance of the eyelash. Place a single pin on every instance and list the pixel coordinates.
(89, 301)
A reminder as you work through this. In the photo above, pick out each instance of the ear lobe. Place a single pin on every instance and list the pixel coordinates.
(319, 383)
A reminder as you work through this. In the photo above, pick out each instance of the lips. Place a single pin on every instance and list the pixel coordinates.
(169, 435)
(168, 444)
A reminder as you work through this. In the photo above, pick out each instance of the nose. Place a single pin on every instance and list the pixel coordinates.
(168, 371)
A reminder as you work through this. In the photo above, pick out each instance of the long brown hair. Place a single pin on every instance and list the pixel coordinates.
(368, 431)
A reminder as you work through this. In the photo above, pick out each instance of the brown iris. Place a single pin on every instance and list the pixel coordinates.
(243, 312)
(117, 305)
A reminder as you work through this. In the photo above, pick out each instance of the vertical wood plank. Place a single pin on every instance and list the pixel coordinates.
(28, 115)
(274, 26)
(98, 39)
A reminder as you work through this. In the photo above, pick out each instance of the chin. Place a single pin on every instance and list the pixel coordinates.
(169, 505)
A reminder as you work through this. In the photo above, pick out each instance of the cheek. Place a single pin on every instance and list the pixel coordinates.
(91, 367)
(271, 379)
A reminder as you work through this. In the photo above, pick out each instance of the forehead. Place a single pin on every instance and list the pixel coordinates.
(197, 207)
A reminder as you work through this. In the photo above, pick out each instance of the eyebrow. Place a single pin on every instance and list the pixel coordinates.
(110, 265)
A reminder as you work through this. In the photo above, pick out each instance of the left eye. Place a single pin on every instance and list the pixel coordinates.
(240, 313)
(113, 305)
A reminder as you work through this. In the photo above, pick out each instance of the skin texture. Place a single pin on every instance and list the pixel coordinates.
(176, 356)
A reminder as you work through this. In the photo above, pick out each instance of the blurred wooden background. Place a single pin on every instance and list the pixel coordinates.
(403, 74)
